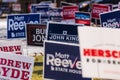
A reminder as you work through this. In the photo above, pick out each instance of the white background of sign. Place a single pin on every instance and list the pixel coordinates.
(99, 38)
(22, 60)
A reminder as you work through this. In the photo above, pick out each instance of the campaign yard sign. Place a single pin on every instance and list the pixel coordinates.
(62, 32)
(15, 67)
(43, 10)
(55, 14)
(11, 46)
(36, 34)
(69, 12)
(110, 19)
(83, 18)
(100, 52)
(62, 62)
(16, 24)
(99, 8)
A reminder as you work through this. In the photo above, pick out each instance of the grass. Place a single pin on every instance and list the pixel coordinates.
(38, 68)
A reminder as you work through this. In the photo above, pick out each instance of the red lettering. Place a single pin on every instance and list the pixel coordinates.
(86, 52)
(10, 62)
(100, 53)
(26, 65)
(115, 54)
(11, 48)
(15, 73)
(17, 48)
(25, 75)
(107, 53)
(5, 49)
(94, 52)
(18, 64)
(3, 61)
(18, 52)
(1, 49)
(5, 70)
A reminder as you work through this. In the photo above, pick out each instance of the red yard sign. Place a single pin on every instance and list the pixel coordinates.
(69, 12)
(99, 8)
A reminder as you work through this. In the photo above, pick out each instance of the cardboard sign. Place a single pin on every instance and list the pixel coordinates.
(15, 67)
(16, 7)
(16, 24)
(99, 8)
(100, 52)
(69, 12)
(11, 46)
(110, 19)
(62, 62)
(44, 10)
(36, 34)
(62, 32)
(83, 18)
(55, 14)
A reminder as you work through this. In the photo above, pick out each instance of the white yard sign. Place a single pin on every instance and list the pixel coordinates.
(100, 52)
(15, 67)
(11, 46)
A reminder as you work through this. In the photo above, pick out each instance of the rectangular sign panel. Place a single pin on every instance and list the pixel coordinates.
(16, 7)
(100, 52)
(110, 19)
(16, 24)
(36, 34)
(99, 8)
(62, 62)
(83, 18)
(13, 46)
(15, 67)
(69, 12)
(62, 32)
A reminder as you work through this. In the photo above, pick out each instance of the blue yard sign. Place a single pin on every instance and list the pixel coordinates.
(63, 32)
(16, 24)
(55, 14)
(43, 10)
(110, 19)
(62, 62)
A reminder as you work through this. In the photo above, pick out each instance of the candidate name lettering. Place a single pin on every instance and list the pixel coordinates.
(63, 60)
(17, 49)
(111, 23)
(99, 9)
(69, 12)
(101, 53)
(40, 35)
(73, 38)
(11, 68)
(18, 23)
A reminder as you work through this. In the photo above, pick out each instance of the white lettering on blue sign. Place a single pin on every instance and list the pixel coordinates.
(62, 60)
(14, 25)
(40, 35)
(111, 23)
(18, 23)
